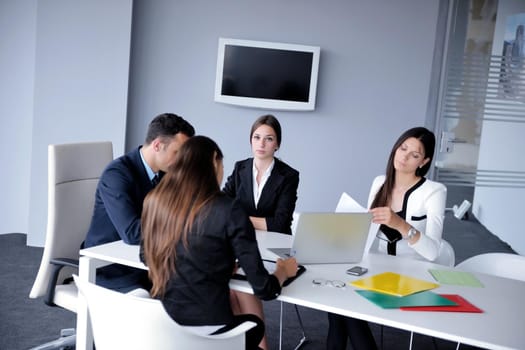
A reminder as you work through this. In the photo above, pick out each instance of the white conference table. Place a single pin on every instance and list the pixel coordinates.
(500, 326)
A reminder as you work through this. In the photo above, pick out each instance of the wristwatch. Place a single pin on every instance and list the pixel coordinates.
(412, 232)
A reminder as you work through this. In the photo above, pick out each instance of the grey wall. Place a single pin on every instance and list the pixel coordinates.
(374, 82)
(374, 79)
(80, 87)
(17, 62)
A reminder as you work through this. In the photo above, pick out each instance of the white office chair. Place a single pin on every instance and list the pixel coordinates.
(73, 173)
(505, 265)
(128, 321)
(446, 255)
(295, 218)
(498, 264)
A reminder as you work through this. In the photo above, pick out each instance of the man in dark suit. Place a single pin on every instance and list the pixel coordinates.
(121, 190)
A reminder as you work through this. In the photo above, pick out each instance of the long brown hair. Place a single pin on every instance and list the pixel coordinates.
(171, 208)
(428, 140)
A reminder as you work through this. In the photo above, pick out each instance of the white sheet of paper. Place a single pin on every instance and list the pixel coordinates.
(349, 205)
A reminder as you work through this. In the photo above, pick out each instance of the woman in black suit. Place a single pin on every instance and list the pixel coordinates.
(267, 189)
(265, 185)
(192, 236)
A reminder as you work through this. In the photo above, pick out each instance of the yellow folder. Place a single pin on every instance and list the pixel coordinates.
(394, 284)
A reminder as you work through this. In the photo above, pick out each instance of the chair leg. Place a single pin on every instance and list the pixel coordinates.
(303, 338)
(435, 343)
(66, 332)
(382, 334)
(64, 342)
(281, 327)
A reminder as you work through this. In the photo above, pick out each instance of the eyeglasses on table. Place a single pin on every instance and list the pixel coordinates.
(325, 282)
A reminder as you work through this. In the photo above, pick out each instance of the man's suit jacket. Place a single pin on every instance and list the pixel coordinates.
(118, 206)
(278, 197)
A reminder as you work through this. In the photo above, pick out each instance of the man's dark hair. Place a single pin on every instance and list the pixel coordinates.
(167, 125)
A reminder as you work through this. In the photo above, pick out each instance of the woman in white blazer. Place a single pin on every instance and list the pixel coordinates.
(422, 211)
(410, 210)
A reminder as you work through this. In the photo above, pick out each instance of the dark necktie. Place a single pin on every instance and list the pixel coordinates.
(155, 180)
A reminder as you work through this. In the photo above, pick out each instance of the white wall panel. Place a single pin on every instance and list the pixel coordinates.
(17, 66)
(81, 85)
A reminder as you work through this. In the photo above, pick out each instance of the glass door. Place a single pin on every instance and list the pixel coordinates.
(478, 90)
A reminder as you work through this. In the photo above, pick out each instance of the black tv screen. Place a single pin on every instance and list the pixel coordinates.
(267, 75)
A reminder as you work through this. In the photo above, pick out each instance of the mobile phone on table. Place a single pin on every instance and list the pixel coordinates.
(357, 271)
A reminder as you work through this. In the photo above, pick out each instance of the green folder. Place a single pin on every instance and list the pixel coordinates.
(387, 301)
(458, 278)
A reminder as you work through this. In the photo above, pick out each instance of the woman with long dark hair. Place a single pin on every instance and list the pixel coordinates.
(192, 236)
(410, 210)
(409, 207)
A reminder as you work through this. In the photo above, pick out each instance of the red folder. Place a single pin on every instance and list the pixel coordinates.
(462, 305)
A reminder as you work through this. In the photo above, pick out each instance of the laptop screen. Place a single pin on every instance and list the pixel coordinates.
(330, 238)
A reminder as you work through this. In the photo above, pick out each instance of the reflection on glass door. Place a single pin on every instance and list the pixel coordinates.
(479, 88)
(463, 100)
(481, 114)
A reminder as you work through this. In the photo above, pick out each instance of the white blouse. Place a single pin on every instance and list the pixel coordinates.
(257, 188)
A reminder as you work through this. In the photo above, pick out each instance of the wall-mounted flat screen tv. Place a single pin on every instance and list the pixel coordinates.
(266, 74)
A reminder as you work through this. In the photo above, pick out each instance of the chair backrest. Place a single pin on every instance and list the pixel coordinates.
(128, 321)
(446, 255)
(498, 264)
(73, 173)
(295, 219)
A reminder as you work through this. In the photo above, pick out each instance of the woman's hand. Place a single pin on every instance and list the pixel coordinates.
(259, 223)
(285, 269)
(385, 216)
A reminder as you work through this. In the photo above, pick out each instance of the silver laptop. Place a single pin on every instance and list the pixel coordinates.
(328, 238)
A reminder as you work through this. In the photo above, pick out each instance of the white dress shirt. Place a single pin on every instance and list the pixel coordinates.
(257, 188)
